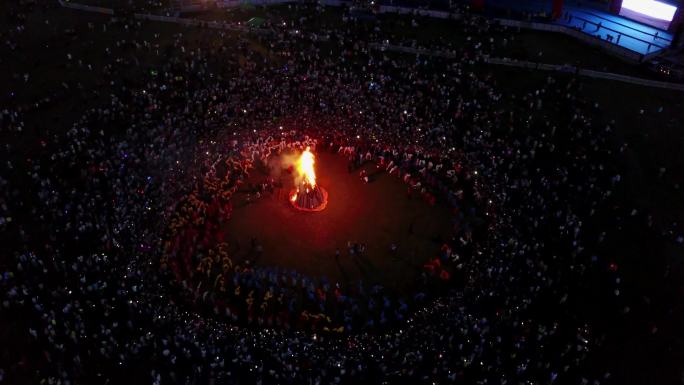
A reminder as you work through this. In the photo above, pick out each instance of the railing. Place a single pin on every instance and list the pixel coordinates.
(655, 36)
(620, 35)
(632, 80)
(564, 68)
(88, 8)
(415, 11)
(611, 48)
(200, 23)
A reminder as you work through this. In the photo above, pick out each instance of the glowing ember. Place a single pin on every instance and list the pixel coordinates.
(307, 196)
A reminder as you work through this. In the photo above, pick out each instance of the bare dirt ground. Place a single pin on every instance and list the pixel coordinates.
(376, 214)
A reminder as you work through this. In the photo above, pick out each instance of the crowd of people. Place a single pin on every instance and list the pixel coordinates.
(120, 271)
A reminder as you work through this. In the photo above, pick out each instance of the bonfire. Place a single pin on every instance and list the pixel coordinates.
(307, 195)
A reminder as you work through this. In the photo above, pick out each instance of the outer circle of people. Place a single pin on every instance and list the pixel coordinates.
(130, 268)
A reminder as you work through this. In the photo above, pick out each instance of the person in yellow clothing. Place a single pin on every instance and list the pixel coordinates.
(208, 263)
(227, 265)
(268, 295)
(220, 282)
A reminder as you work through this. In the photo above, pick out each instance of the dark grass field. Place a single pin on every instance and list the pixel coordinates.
(377, 214)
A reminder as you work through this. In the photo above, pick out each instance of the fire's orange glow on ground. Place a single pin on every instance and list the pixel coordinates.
(305, 167)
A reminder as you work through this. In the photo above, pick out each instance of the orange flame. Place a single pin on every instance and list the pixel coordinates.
(305, 167)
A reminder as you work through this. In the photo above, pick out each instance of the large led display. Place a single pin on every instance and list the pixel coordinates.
(651, 12)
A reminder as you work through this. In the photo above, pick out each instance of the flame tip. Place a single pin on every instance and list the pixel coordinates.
(305, 167)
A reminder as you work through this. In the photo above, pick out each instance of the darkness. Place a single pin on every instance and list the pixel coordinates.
(501, 209)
